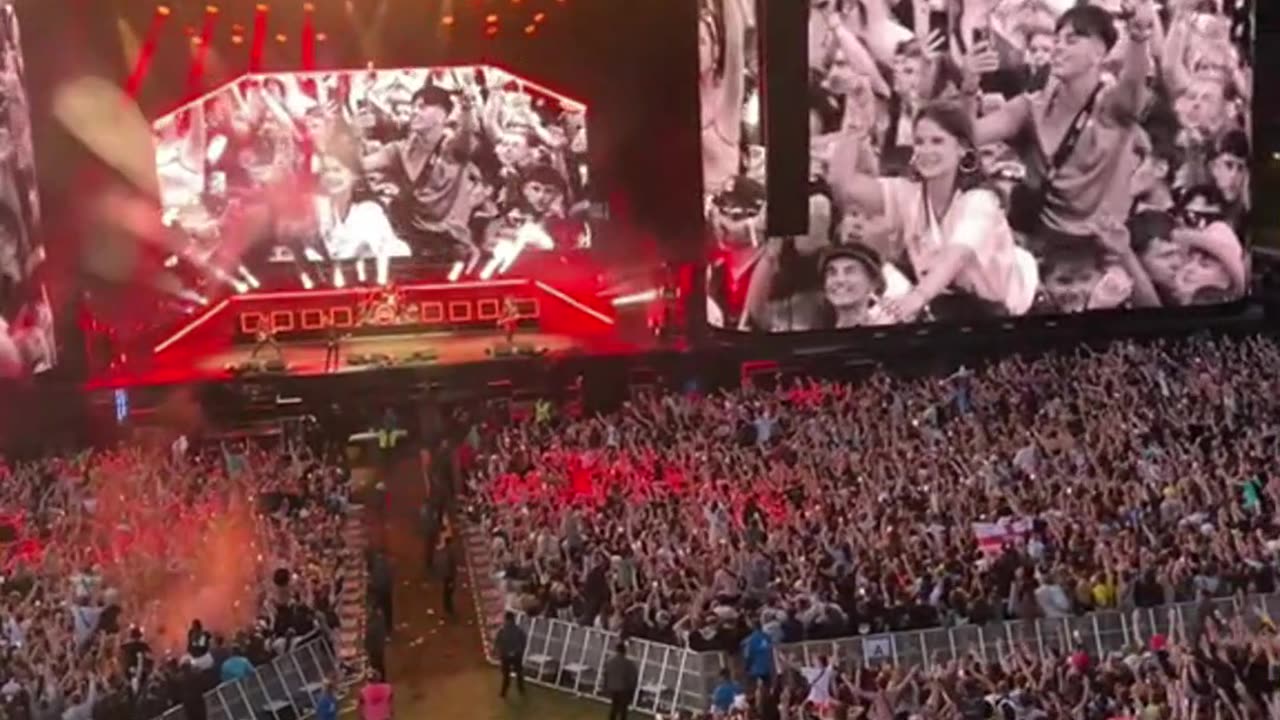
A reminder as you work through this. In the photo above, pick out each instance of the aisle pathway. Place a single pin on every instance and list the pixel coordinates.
(437, 667)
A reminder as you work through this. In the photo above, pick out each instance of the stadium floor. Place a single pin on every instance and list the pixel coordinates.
(437, 668)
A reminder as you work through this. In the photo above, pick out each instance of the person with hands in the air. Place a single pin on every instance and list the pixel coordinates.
(950, 225)
(1077, 133)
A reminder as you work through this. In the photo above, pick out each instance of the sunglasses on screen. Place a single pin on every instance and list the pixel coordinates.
(738, 212)
(1200, 219)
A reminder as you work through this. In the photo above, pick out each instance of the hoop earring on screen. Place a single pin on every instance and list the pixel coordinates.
(968, 162)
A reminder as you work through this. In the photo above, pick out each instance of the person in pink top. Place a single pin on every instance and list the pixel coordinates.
(375, 698)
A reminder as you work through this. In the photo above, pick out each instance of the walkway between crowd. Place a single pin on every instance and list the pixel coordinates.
(437, 667)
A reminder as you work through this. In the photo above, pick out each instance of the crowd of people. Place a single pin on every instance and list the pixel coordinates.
(1228, 670)
(1045, 487)
(973, 159)
(135, 580)
(454, 165)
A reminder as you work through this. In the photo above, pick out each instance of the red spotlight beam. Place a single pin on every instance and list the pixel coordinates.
(134, 83)
(259, 43)
(195, 76)
(308, 38)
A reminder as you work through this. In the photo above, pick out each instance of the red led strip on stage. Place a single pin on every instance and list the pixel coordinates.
(429, 312)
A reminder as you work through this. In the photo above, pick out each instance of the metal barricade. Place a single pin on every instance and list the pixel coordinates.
(1098, 633)
(571, 657)
(287, 688)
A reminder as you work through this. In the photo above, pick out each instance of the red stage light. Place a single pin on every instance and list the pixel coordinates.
(491, 19)
(262, 7)
(163, 10)
(530, 29)
(280, 37)
(211, 9)
(321, 37)
(309, 7)
(446, 20)
(237, 39)
(539, 17)
(491, 30)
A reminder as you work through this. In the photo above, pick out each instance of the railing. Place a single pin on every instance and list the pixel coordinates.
(1099, 633)
(571, 657)
(286, 689)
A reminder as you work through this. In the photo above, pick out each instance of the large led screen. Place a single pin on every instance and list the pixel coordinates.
(975, 159)
(448, 165)
(27, 342)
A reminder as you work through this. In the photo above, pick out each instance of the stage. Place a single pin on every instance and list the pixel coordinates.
(306, 358)
(409, 326)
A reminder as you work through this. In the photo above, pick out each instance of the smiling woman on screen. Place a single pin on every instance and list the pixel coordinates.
(951, 226)
(351, 225)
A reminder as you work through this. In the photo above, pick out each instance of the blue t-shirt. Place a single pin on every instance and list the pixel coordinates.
(235, 668)
(327, 707)
(722, 697)
(758, 652)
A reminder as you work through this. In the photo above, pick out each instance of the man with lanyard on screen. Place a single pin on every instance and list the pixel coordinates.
(429, 167)
(1079, 130)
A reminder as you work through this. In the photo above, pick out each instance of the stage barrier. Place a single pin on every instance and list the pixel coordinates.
(288, 688)
(570, 657)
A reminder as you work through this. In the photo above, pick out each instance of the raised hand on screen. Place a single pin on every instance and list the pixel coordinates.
(980, 60)
(1112, 234)
(935, 42)
(1141, 21)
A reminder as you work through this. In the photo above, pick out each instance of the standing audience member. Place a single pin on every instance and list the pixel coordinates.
(510, 644)
(447, 571)
(375, 698)
(375, 640)
(621, 677)
(327, 703)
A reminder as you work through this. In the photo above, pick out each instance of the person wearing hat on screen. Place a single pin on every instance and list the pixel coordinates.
(735, 217)
(430, 169)
(853, 282)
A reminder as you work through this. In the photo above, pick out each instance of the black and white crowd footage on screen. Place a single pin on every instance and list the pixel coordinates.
(27, 342)
(451, 165)
(986, 158)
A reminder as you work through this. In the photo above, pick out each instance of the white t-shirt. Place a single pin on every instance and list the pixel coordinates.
(1001, 271)
(364, 232)
(819, 679)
